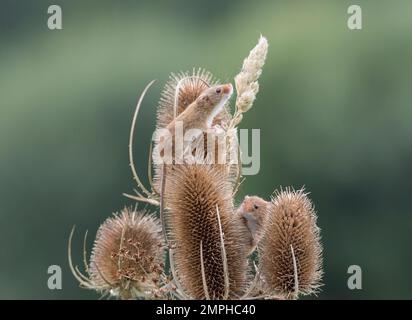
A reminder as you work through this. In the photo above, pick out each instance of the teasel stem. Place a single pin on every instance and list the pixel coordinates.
(141, 198)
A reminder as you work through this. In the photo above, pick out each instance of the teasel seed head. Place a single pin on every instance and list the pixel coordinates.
(198, 197)
(290, 251)
(127, 256)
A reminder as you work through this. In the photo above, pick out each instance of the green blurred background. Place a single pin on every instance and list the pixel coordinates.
(334, 112)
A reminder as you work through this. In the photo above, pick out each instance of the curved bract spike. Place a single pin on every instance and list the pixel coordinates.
(131, 136)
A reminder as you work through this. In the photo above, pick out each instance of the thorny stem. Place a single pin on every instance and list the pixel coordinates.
(142, 199)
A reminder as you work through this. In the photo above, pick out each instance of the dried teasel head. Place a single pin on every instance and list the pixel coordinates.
(210, 254)
(127, 256)
(290, 251)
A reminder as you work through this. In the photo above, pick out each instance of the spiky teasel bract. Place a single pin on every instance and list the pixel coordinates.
(127, 257)
(210, 254)
(290, 251)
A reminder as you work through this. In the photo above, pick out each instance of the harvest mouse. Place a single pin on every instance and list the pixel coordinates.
(254, 212)
(201, 112)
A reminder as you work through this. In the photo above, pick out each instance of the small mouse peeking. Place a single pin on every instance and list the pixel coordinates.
(254, 212)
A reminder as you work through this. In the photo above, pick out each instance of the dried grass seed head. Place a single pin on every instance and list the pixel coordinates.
(246, 82)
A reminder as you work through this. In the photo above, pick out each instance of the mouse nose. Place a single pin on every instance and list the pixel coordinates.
(227, 88)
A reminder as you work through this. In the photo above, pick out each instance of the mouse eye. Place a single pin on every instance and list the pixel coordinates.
(218, 90)
(255, 206)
